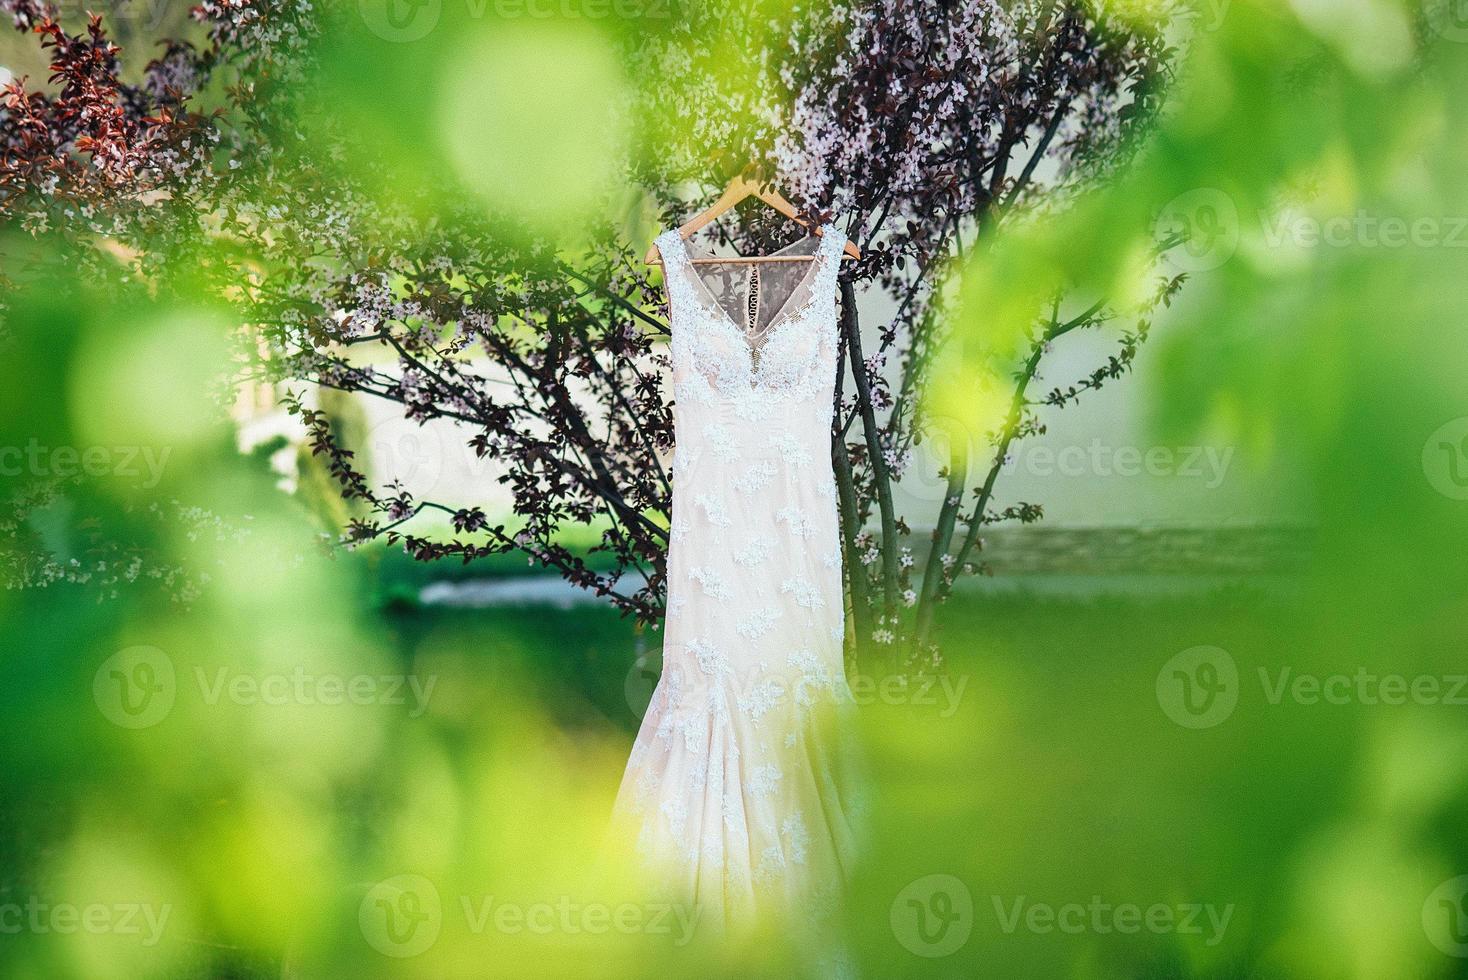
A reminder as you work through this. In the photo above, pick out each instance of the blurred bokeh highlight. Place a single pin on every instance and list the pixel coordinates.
(234, 750)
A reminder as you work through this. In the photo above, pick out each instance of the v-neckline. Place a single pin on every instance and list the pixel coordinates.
(777, 320)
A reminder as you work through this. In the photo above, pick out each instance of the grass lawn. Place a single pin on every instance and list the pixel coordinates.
(1045, 775)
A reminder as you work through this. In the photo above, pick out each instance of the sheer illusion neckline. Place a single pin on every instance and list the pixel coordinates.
(756, 340)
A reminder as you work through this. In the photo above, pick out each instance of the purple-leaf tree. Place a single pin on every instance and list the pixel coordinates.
(926, 129)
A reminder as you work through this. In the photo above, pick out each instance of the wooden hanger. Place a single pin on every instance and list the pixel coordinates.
(740, 188)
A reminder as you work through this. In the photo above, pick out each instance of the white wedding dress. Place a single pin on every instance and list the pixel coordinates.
(738, 786)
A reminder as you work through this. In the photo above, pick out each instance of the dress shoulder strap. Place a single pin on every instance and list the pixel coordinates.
(829, 255)
(683, 298)
(671, 248)
(832, 241)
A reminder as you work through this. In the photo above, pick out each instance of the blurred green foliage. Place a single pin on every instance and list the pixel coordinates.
(222, 754)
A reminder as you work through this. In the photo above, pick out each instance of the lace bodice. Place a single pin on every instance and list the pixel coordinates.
(758, 367)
